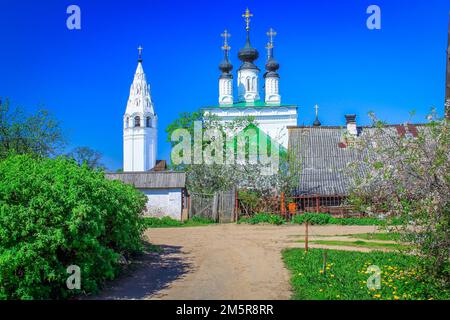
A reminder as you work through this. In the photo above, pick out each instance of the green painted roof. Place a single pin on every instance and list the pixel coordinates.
(256, 104)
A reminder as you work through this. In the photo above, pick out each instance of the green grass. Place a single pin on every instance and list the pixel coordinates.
(346, 276)
(392, 236)
(317, 219)
(167, 222)
(360, 244)
(263, 218)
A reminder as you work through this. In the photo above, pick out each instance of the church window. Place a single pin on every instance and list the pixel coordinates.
(149, 122)
(253, 84)
(127, 122)
(137, 121)
(248, 84)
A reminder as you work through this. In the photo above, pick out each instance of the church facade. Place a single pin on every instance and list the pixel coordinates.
(271, 116)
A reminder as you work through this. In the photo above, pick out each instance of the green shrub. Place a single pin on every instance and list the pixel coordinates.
(312, 218)
(357, 221)
(53, 214)
(263, 218)
(199, 221)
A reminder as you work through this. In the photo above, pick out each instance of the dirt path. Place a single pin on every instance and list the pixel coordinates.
(218, 262)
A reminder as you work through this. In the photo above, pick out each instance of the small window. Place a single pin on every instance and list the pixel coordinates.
(127, 122)
(137, 121)
(149, 122)
(248, 84)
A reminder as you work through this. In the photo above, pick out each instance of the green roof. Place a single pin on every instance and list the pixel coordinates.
(256, 104)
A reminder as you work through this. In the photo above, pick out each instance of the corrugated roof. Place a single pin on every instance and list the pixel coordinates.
(151, 180)
(324, 157)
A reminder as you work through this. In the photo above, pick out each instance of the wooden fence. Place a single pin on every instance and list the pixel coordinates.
(219, 207)
(289, 206)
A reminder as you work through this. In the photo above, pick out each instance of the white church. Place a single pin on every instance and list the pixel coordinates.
(166, 190)
(271, 116)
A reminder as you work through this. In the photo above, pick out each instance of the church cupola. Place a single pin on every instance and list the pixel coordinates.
(248, 72)
(226, 78)
(140, 125)
(317, 122)
(272, 78)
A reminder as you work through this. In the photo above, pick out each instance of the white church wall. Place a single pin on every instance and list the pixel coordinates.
(163, 202)
(272, 120)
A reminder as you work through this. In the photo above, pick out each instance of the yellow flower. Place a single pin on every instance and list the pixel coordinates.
(396, 298)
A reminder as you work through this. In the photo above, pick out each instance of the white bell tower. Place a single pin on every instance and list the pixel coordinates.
(140, 125)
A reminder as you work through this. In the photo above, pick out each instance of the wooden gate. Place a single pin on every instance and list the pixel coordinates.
(219, 207)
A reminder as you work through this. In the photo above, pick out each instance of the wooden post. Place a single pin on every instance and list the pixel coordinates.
(317, 204)
(306, 236)
(324, 261)
(215, 207)
(282, 204)
(236, 205)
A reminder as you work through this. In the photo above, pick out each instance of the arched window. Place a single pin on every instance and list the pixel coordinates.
(253, 84)
(127, 122)
(149, 122)
(248, 84)
(137, 121)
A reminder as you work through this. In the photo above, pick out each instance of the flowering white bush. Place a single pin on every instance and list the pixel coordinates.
(406, 174)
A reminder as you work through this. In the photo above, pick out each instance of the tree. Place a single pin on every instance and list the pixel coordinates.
(408, 176)
(39, 134)
(88, 156)
(231, 138)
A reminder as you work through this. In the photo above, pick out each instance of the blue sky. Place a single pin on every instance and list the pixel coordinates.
(327, 56)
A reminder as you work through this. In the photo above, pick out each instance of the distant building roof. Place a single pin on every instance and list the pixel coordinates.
(151, 179)
(324, 156)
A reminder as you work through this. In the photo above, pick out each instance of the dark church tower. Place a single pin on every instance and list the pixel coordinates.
(447, 81)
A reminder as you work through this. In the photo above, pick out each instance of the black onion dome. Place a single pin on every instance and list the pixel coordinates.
(225, 66)
(317, 123)
(247, 55)
(272, 65)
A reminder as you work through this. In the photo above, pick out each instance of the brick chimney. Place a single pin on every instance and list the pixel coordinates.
(350, 119)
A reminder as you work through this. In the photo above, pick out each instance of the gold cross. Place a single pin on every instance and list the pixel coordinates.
(225, 35)
(247, 15)
(271, 34)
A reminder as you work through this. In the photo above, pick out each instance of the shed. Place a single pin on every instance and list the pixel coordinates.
(165, 191)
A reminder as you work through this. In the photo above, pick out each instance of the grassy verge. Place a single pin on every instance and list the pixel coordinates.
(316, 219)
(360, 244)
(167, 222)
(346, 275)
(377, 236)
